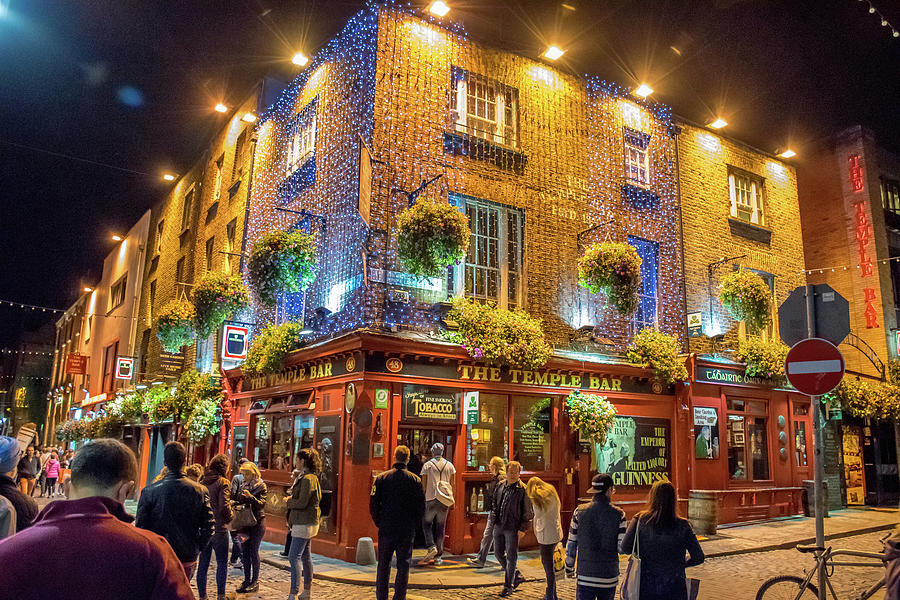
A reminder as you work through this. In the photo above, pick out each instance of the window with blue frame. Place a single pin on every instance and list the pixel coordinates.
(648, 296)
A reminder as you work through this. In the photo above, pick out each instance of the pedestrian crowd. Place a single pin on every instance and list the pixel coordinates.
(191, 513)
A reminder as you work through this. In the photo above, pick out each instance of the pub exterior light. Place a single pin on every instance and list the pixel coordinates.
(439, 8)
(168, 177)
(300, 59)
(249, 118)
(117, 238)
(553, 52)
(643, 90)
(719, 123)
(221, 108)
(788, 154)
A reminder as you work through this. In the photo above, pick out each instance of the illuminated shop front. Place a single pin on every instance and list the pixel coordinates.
(357, 397)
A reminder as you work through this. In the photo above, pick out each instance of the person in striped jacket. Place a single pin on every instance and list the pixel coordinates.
(595, 539)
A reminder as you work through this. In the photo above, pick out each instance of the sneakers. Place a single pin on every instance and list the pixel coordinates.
(429, 556)
(506, 592)
(438, 561)
(305, 594)
(474, 562)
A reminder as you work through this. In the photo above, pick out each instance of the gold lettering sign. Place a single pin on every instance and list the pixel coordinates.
(295, 374)
(539, 377)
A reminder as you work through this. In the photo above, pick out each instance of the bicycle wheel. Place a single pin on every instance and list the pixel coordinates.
(786, 587)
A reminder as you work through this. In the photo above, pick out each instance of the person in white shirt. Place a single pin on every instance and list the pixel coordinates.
(437, 502)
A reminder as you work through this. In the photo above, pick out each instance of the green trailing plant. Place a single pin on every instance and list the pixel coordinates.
(613, 268)
(865, 398)
(653, 348)
(72, 430)
(216, 298)
(764, 359)
(281, 262)
(175, 325)
(431, 237)
(747, 297)
(592, 415)
(128, 407)
(270, 347)
(158, 403)
(194, 394)
(498, 336)
(205, 420)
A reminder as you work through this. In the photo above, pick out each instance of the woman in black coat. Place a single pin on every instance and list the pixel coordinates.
(663, 539)
(252, 493)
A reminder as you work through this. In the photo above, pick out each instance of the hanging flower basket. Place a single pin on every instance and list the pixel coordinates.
(747, 298)
(590, 414)
(613, 268)
(175, 325)
(764, 359)
(498, 336)
(432, 236)
(270, 347)
(653, 348)
(216, 298)
(281, 262)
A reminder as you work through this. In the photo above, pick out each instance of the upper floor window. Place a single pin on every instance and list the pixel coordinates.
(186, 210)
(746, 192)
(160, 227)
(492, 270)
(230, 232)
(152, 302)
(484, 108)
(210, 253)
(301, 138)
(237, 167)
(179, 272)
(637, 158)
(217, 189)
(117, 292)
(648, 295)
(890, 195)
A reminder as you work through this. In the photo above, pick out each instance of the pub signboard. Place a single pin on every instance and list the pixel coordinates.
(421, 403)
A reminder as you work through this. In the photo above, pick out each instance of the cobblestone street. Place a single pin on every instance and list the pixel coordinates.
(731, 578)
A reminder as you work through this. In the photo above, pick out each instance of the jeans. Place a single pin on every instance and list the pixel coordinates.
(549, 571)
(218, 543)
(287, 541)
(250, 551)
(235, 547)
(487, 539)
(388, 544)
(583, 592)
(51, 486)
(506, 547)
(436, 517)
(299, 553)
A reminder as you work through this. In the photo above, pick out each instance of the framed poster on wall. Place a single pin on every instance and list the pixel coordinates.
(706, 433)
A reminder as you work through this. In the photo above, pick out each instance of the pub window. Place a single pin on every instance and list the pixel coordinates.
(531, 432)
(637, 158)
(492, 271)
(748, 441)
(890, 194)
(262, 437)
(301, 138)
(484, 108)
(488, 437)
(800, 459)
(117, 292)
(746, 194)
(645, 315)
(284, 434)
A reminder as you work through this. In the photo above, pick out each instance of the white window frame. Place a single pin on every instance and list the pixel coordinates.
(484, 108)
(117, 293)
(745, 191)
(637, 158)
(217, 188)
(160, 230)
(301, 138)
(230, 234)
(505, 244)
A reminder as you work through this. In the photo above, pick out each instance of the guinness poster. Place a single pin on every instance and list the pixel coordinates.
(636, 452)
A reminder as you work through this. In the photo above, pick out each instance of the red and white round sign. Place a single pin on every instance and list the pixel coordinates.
(814, 366)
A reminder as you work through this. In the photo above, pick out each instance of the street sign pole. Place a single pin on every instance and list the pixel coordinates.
(819, 473)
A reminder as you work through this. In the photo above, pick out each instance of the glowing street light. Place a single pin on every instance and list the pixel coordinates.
(221, 108)
(300, 59)
(87, 289)
(643, 90)
(439, 8)
(249, 118)
(116, 237)
(719, 123)
(168, 177)
(788, 154)
(553, 52)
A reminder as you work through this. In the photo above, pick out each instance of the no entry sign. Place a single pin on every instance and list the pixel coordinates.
(814, 366)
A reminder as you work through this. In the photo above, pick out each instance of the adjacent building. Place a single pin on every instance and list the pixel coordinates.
(70, 375)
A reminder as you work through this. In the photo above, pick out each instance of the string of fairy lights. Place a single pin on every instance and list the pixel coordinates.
(880, 16)
(833, 269)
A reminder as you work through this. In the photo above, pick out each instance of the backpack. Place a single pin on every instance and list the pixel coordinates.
(443, 488)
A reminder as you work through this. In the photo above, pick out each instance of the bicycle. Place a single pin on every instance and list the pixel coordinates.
(792, 587)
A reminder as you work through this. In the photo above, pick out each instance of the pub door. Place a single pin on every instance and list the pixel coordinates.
(419, 439)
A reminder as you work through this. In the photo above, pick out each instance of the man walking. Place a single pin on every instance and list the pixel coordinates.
(178, 509)
(595, 538)
(397, 505)
(24, 505)
(513, 514)
(437, 479)
(126, 562)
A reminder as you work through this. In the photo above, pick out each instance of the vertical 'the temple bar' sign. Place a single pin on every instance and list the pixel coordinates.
(863, 233)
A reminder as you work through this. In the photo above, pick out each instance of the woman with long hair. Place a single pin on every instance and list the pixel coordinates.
(547, 527)
(252, 493)
(663, 538)
(498, 473)
(303, 517)
(216, 482)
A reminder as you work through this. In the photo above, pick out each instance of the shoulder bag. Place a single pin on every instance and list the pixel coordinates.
(631, 587)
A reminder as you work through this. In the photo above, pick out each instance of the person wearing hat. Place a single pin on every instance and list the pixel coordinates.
(595, 539)
(25, 506)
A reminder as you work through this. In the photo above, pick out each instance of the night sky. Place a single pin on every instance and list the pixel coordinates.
(98, 98)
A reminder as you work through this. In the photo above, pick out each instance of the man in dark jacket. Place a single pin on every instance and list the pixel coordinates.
(126, 562)
(27, 471)
(513, 513)
(397, 505)
(178, 509)
(25, 506)
(595, 538)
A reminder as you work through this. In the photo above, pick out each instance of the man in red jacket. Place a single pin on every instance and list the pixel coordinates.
(121, 561)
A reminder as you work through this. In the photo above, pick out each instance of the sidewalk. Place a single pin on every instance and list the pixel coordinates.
(730, 540)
